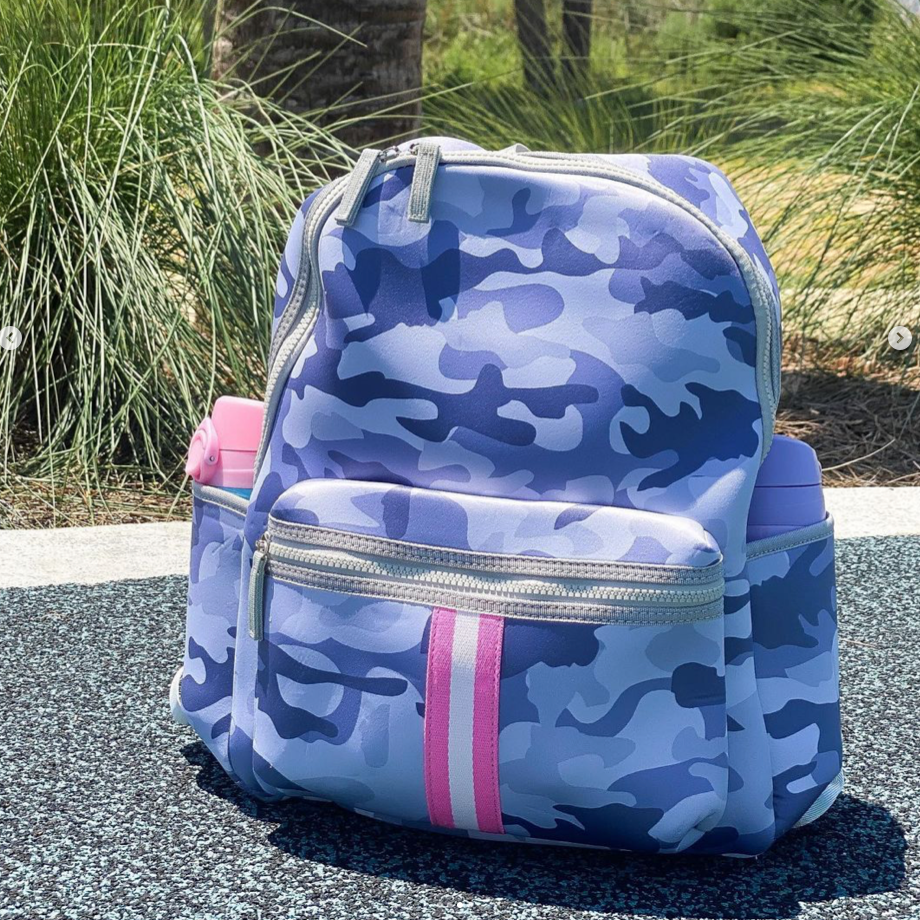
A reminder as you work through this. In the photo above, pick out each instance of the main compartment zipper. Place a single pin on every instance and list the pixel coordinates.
(532, 587)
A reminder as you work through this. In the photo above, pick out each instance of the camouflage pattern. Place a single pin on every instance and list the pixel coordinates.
(577, 761)
(213, 599)
(707, 188)
(540, 338)
(245, 675)
(552, 337)
(516, 346)
(341, 709)
(557, 530)
(795, 656)
(341, 692)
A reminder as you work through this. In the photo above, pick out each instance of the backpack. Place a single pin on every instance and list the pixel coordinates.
(495, 577)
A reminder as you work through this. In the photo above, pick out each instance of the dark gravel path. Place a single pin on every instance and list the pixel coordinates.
(108, 810)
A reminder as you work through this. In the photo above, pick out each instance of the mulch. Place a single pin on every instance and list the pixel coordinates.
(862, 418)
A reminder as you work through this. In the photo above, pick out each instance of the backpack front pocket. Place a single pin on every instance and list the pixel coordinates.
(531, 669)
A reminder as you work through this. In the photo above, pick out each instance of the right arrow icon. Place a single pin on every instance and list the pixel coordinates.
(900, 338)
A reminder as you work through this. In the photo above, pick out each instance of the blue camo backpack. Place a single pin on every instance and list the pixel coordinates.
(493, 577)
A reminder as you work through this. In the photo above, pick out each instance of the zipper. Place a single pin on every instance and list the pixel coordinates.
(290, 326)
(299, 316)
(490, 582)
(427, 157)
(312, 535)
(257, 588)
(305, 307)
(358, 184)
(215, 495)
(301, 283)
(502, 584)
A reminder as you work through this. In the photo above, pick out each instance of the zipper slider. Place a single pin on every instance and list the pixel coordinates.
(427, 157)
(257, 588)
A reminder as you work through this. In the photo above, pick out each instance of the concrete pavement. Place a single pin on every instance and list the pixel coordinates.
(112, 812)
(93, 555)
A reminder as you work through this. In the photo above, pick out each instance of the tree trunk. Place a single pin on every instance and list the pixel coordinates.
(530, 16)
(358, 59)
(576, 29)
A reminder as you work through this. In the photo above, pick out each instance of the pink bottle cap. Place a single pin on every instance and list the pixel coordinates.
(203, 452)
(239, 422)
(223, 448)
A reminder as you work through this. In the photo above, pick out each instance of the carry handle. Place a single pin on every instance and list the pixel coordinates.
(427, 158)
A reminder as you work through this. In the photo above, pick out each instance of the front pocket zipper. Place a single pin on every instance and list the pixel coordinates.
(532, 587)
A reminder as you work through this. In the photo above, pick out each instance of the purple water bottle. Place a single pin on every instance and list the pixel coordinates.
(787, 494)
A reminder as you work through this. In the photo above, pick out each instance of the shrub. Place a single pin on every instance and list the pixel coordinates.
(139, 230)
(824, 132)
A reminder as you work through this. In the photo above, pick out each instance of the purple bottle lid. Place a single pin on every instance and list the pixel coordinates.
(789, 463)
(787, 494)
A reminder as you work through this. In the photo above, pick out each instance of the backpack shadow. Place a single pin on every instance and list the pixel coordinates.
(856, 849)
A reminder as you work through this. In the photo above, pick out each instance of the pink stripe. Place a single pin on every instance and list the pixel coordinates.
(485, 724)
(437, 716)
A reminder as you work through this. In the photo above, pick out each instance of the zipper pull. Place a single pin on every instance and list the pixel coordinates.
(257, 588)
(427, 158)
(515, 148)
(356, 188)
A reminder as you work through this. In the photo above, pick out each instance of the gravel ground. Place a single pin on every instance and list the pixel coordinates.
(111, 811)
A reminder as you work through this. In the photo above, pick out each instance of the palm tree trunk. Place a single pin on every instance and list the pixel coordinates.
(576, 29)
(533, 38)
(349, 59)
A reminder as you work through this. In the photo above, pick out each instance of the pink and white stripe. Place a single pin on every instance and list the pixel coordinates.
(461, 720)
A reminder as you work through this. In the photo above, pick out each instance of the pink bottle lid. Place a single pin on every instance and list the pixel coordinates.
(223, 448)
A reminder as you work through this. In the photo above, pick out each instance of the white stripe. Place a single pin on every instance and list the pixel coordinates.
(460, 729)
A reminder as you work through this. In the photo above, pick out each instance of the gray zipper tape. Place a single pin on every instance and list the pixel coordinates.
(229, 501)
(527, 608)
(257, 595)
(823, 802)
(427, 157)
(790, 540)
(307, 535)
(513, 585)
(364, 171)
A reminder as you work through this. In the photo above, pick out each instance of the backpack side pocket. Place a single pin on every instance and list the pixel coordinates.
(794, 614)
(206, 685)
